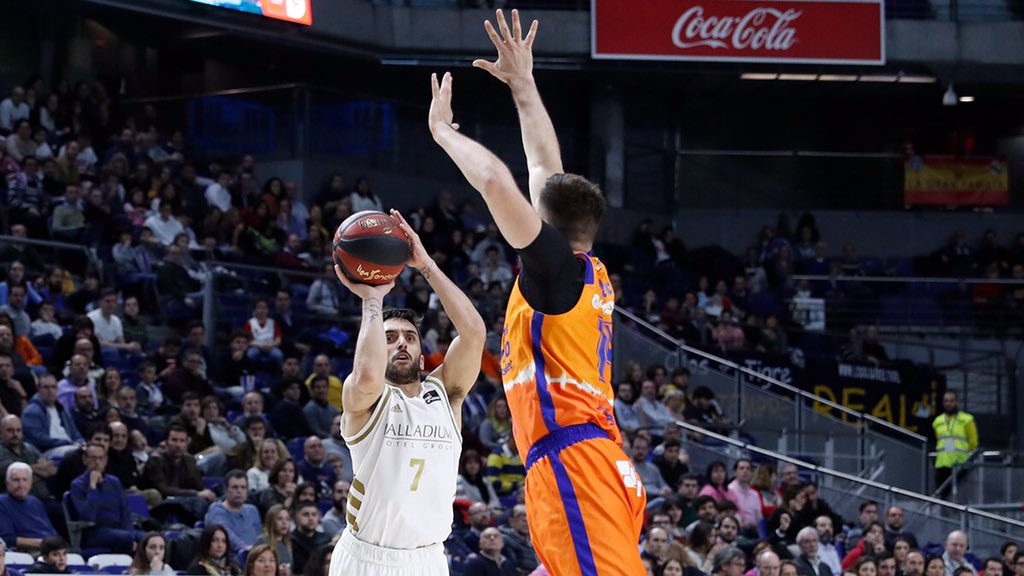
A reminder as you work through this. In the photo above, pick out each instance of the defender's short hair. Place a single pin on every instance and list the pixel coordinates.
(573, 205)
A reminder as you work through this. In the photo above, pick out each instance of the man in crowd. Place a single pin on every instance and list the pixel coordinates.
(305, 538)
(322, 369)
(490, 561)
(241, 520)
(866, 516)
(14, 449)
(649, 473)
(955, 552)
(192, 421)
(99, 498)
(914, 564)
(313, 467)
(319, 413)
(827, 552)
(808, 563)
(23, 519)
(47, 424)
(335, 520)
(748, 501)
(518, 545)
(108, 327)
(172, 472)
(894, 528)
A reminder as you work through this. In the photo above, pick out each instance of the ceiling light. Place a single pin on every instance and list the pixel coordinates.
(878, 78)
(837, 78)
(758, 76)
(918, 79)
(967, 98)
(949, 98)
(801, 77)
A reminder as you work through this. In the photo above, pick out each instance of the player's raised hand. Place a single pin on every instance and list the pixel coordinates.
(419, 259)
(364, 291)
(440, 115)
(515, 53)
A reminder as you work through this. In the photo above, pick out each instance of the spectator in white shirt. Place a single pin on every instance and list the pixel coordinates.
(164, 225)
(625, 409)
(107, 326)
(363, 197)
(299, 210)
(827, 552)
(217, 194)
(20, 145)
(86, 159)
(46, 323)
(13, 109)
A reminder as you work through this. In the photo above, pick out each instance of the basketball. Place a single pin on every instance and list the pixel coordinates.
(371, 248)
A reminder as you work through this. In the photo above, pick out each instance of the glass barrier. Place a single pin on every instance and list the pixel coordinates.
(929, 519)
(775, 414)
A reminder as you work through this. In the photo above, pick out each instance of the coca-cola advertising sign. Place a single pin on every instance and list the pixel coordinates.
(799, 31)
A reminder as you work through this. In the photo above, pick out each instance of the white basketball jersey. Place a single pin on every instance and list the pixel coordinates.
(405, 462)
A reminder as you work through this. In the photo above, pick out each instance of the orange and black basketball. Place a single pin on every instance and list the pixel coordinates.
(371, 248)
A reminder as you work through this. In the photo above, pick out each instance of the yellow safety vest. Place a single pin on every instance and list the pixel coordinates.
(951, 443)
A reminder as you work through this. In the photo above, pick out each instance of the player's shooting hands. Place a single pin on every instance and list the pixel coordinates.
(440, 116)
(419, 259)
(515, 53)
(364, 291)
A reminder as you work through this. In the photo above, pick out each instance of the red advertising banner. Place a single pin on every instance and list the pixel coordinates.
(797, 31)
(949, 181)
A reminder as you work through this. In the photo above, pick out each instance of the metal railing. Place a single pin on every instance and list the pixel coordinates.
(929, 518)
(987, 478)
(786, 412)
(88, 254)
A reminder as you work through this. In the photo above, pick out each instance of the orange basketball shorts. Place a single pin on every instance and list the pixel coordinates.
(585, 504)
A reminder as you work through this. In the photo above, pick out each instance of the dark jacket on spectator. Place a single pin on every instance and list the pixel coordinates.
(171, 478)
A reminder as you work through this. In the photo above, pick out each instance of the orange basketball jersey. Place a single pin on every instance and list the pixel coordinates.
(556, 369)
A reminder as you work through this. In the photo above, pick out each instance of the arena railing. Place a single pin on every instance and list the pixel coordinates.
(782, 414)
(927, 517)
(89, 255)
(988, 478)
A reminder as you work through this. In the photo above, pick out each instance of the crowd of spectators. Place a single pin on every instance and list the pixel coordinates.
(97, 412)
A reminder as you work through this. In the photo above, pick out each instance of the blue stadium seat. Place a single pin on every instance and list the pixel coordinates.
(214, 483)
(137, 505)
(295, 448)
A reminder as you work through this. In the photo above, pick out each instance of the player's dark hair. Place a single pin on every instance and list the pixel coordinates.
(404, 314)
(573, 205)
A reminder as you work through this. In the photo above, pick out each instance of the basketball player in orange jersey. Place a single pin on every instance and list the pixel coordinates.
(584, 500)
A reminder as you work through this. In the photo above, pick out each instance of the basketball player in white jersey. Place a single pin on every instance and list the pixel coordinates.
(404, 434)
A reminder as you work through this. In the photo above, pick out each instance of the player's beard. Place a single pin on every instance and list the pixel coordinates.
(404, 374)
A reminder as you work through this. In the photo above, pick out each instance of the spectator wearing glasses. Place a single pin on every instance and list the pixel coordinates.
(491, 560)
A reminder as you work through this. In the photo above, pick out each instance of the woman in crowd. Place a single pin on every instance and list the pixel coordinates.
(716, 481)
(789, 517)
(498, 425)
(867, 566)
(471, 483)
(282, 487)
(262, 561)
(788, 568)
(108, 388)
(871, 544)
(702, 545)
(213, 558)
(149, 557)
(900, 548)
(266, 457)
(277, 524)
(764, 483)
(935, 566)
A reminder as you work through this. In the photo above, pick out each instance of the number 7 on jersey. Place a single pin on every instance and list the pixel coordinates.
(419, 464)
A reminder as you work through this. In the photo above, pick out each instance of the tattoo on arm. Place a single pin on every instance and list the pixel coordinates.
(372, 310)
(428, 271)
